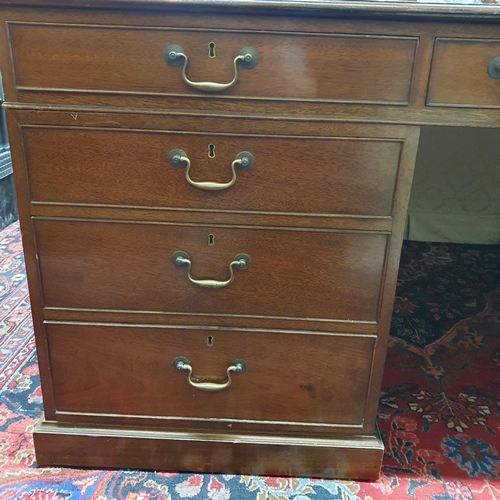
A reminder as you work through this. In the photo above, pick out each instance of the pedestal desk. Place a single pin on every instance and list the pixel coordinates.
(212, 196)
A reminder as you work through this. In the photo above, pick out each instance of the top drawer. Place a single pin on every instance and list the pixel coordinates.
(465, 73)
(130, 60)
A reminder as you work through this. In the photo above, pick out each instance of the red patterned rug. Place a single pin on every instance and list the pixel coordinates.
(439, 411)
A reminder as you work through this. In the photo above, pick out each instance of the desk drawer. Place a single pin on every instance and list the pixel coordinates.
(130, 60)
(460, 76)
(292, 274)
(288, 378)
(307, 175)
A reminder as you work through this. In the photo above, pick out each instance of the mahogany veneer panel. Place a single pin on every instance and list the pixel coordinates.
(293, 273)
(300, 174)
(459, 74)
(131, 373)
(106, 446)
(292, 66)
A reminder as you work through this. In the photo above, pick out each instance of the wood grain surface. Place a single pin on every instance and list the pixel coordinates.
(459, 74)
(356, 457)
(289, 378)
(293, 273)
(291, 66)
(297, 174)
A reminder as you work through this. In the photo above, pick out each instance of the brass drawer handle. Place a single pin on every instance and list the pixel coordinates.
(241, 261)
(236, 366)
(178, 159)
(174, 55)
(494, 68)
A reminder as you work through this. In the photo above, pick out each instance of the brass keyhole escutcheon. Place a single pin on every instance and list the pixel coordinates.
(211, 240)
(210, 341)
(211, 50)
(211, 150)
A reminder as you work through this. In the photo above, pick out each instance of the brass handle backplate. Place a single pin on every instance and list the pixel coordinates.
(494, 68)
(241, 261)
(179, 159)
(247, 58)
(236, 366)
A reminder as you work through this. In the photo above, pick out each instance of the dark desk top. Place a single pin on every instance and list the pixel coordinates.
(428, 9)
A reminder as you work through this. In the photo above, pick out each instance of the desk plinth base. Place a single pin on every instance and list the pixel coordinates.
(349, 457)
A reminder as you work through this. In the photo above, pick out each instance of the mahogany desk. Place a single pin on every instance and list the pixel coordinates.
(212, 196)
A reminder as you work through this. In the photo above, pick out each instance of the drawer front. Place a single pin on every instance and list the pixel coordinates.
(459, 73)
(304, 175)
(131, 60)
(292, 273)
(288, 378)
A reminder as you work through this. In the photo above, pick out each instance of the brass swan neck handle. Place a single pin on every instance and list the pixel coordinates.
(247, 58)
(241, 261)
(179, 159)
(236, 366)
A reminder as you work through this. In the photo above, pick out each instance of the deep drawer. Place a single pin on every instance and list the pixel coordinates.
(306, 175)
(460, 76)
(288, 378)
(130, 60)
(292, 273)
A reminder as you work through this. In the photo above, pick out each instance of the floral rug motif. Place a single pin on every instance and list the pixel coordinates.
(446, 308)
(439, 411)
(440, 285)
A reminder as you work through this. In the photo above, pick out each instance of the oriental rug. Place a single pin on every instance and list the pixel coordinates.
(439, 409)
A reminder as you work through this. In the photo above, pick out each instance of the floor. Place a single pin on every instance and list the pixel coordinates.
(439, 409)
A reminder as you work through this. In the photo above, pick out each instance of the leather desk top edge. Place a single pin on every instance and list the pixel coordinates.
(451, 10)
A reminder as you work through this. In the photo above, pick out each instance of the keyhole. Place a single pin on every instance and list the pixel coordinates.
(211, 240)
(211, 50)
(211, 151)
(210, 341)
